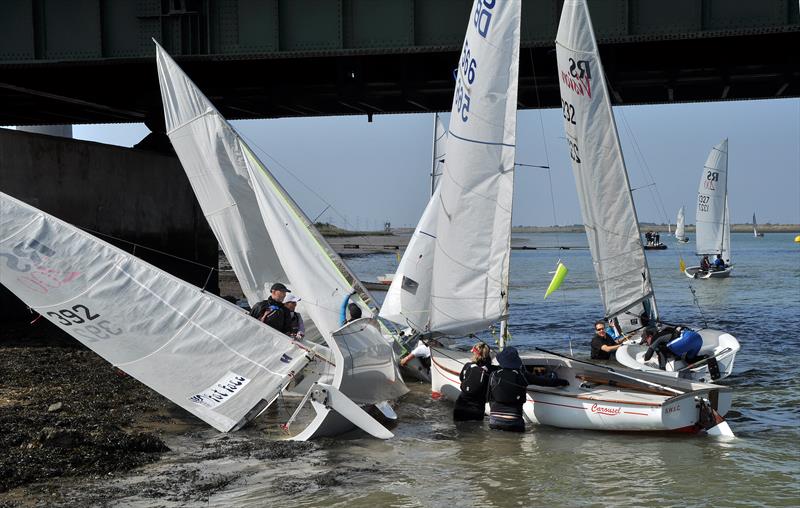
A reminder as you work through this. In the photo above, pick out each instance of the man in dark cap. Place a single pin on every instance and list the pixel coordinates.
(272, 311)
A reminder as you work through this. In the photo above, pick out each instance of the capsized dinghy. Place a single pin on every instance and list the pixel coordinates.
(267, 238)
(598, 398)
(201, 352)
(715, 359)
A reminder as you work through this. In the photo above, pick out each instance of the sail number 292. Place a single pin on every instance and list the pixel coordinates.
(80, 316)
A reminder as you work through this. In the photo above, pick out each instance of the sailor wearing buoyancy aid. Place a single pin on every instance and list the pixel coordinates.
(471, 403)
(508, 391)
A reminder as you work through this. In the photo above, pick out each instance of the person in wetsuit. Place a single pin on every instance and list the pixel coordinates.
(471, 403)
(508, 390)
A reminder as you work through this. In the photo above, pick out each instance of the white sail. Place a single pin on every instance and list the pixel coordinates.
(408, 300)
(755, 226)
(199, 351)
(473, 231)
(609, 214)
(439, 150)
(263, 228)
(680, 233)
(726, 238)
(713, 226)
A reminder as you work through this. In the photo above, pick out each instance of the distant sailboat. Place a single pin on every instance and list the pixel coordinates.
(755, 228)
(680, 227)
(713, 225)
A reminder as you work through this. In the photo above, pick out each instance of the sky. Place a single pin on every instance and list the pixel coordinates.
(374, 172)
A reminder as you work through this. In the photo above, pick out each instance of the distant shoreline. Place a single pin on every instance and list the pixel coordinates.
(576, 228)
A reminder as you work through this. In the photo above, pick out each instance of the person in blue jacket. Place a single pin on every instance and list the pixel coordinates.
(686, 346)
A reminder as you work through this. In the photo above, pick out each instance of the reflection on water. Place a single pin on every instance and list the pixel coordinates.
(432, 462)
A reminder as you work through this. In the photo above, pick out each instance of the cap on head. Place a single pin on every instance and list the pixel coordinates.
(291, 299)
(509, 358)
(280, 287)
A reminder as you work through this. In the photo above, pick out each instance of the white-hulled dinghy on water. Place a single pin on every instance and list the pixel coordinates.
(199, 351)
(599, 398)
(607, 206)
(267, 238)
(713, 223)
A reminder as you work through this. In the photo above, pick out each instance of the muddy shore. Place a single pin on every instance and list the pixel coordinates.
(76, 431)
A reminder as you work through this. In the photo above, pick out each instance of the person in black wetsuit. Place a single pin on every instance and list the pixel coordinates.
(471, 403)
(272, 312)
(508, 390)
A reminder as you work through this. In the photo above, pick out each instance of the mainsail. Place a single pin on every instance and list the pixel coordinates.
(609, 213)
(242, 200)
(473, 231)
(271, 238)
(713, 222)
(453, 278)
(680, 226)
(197, 350)
(755, 227)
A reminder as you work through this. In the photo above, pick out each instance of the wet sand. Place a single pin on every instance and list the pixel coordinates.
(76, 431)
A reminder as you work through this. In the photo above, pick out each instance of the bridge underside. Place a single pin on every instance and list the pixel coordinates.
(712, 69)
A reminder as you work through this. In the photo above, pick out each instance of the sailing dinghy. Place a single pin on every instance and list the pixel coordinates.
(479, 170)
(713, 230)
(199, 351)
(607, 206)
(756, 233)
(680, 228)
(267, 238)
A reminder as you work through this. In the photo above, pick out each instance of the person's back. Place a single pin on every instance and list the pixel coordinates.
(719, 264)
(704, 264)
(507, 392)
(474, 377)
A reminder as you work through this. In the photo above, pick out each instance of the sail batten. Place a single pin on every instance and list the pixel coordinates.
(607, 206)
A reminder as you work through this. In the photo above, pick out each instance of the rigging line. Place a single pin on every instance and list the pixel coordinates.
(290, 173)
(135, 245)
(541, 126)
(530, 165)
(640, 155)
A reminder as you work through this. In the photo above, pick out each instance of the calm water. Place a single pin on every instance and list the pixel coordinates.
(432, 462)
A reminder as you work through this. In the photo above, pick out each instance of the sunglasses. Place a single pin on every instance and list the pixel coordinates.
(600, 329)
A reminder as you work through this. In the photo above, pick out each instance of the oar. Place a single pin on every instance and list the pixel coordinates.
(609, 369)
(705, 360)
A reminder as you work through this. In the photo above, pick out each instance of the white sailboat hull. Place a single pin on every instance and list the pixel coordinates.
(694, 272)
(718, 344)
(598, 398)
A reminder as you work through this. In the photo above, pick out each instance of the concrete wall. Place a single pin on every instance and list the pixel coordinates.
(130, 194)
